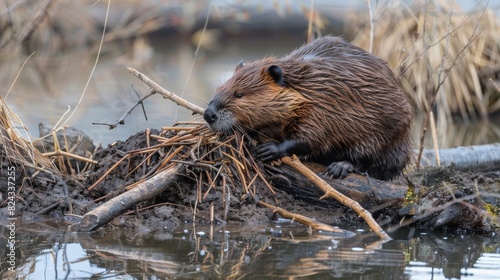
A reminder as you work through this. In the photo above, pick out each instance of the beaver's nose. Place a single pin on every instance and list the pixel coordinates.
(210, 114)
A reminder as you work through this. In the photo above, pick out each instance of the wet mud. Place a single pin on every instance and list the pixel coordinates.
(461, 195)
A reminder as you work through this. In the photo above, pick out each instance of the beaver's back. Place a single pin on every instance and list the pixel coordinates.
(328, 100)
(360, 111)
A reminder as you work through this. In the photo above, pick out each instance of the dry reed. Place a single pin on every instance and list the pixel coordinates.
(15, 147)
(50, 27)
(439, 52)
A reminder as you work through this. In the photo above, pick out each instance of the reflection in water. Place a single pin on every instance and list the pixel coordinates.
(457, 133)
(277, 251)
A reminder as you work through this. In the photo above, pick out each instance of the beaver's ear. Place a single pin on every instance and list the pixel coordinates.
(277, 74)
(239, 66)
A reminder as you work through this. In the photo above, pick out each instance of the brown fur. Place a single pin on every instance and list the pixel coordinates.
(339, 100)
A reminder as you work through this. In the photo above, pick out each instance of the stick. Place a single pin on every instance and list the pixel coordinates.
(119, 204)
(295, 163)
(66, 154)
(301, 219)
(122, 119)
(165, 93)
(434, 138)
(107, 172)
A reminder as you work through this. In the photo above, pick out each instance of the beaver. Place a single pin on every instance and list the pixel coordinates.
(328, 101)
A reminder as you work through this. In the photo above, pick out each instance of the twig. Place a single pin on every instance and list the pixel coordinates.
(155, 88)
(17, 75)
(295, 163)
(107, 172)
(170, 157)
(91, 74)
(434, 138)
(122, 119)
(301, 218)
(48, 208)
(142, 103)
(148, 138)
(372, 23)
(193, 62)
(66, 154)
(310, 24)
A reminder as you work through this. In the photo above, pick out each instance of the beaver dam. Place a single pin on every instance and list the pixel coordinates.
(185, 173)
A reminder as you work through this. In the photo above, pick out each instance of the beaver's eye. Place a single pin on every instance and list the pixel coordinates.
(238, 94)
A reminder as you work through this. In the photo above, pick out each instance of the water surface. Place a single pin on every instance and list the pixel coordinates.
(281, 250)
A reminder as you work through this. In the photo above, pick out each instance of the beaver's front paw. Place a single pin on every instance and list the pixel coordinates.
(269, 151)
(339, 169)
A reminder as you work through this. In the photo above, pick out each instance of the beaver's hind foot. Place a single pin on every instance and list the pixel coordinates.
(339, 169)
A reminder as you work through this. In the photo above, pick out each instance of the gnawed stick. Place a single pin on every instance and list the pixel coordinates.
(295, 163)
(165, 93)
(119, 204)
(304, 220)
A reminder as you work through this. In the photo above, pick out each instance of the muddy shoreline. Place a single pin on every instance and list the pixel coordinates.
(40, 194)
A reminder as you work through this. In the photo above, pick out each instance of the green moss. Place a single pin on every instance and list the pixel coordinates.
(492, 209)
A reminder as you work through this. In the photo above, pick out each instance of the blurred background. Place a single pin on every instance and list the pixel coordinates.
(446, 54)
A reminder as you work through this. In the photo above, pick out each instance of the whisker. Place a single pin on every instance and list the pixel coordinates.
(245, 129)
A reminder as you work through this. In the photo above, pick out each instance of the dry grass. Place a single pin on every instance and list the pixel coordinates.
(16, 148)
(439, 53)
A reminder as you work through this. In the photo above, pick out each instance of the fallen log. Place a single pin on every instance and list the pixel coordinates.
(370, 193)
(471, 158)
(121, 203)
(441, 197)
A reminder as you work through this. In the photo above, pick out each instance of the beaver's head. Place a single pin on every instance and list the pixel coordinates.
(258, 95)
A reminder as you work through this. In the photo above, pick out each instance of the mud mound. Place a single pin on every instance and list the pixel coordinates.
(443, 198)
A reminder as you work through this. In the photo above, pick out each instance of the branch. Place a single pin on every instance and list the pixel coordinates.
(122, 119)
(118, 205)
(303, 219)
(295, 163)
(155, 88)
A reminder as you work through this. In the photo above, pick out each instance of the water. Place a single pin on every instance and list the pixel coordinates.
(46, 251)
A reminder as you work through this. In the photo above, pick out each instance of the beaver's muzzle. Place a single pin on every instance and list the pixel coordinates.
(210, 114)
